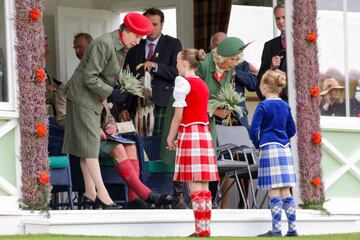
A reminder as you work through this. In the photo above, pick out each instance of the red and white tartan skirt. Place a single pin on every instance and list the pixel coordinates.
(195, 155)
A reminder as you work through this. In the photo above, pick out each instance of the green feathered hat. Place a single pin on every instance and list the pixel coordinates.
(231, 46)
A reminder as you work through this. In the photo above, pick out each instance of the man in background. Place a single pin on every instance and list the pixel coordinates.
(81, 43)
(158, 54)
(274, 53)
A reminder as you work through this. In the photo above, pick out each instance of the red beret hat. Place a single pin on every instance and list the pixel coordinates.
(138, 24)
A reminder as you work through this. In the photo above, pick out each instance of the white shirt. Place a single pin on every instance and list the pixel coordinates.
(181, 90)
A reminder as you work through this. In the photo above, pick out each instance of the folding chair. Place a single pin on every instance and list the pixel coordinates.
(157, 175)
(60, 176)
(235, 157)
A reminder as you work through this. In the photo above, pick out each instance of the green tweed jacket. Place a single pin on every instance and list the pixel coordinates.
(95, 77)
(97, 72)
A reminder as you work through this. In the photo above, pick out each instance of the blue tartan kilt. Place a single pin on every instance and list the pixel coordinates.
(276, 167)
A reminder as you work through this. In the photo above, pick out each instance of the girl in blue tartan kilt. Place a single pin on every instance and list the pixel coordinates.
(195, 161)
(271, 129)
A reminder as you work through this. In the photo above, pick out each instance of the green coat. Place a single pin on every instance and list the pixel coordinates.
(206, 71)
(95, 76)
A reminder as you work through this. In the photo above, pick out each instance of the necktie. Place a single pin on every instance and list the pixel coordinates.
(151, 51)
(283, 40)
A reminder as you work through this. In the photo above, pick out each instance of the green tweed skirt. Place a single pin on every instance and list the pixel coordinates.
(82, 131)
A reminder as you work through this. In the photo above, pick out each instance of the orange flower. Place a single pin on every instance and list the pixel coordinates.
(315, 91)
(311, 37)
(316, 138)
(44, 178)
(316, 182)
(35, 14)
(41, 130)
(40, 75)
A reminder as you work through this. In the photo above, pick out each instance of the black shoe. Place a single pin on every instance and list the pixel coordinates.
(292, 234)
(87, 203)
(104, 206)
(159, 199)
(137, 204)
(270, 234)
(194, 235)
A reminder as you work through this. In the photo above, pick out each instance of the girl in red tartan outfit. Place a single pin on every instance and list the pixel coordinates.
(195, 155)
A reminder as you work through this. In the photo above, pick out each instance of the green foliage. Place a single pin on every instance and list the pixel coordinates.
(227, 98)
(40, 200)
(129, 83)
(316, 205)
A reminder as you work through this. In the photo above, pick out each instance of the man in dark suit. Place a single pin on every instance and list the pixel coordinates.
(274, 53)
(158, 54)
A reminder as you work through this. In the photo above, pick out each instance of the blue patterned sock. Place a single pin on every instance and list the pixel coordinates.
(275, 204)
(289, 206)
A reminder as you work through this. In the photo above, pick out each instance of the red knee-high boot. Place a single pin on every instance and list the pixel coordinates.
(208, 206)
(198, 205)
(126, 170)
(132, 195)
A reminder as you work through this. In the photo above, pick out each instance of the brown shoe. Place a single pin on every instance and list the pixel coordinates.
(178, 202)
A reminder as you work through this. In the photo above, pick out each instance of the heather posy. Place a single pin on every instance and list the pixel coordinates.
(32, 108)
(227, 98)
(129, 83)
(306, 71)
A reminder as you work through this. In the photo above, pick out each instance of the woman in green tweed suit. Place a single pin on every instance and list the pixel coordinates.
(93, 81)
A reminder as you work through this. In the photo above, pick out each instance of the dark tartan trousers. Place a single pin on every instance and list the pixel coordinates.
(159, 116)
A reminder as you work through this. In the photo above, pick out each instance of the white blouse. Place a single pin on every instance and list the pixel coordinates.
(181, 89)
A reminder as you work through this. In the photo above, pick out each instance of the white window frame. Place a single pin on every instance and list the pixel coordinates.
(9, 109)
(346, 61)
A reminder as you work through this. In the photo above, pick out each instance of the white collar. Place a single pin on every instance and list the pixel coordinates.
(155, 42)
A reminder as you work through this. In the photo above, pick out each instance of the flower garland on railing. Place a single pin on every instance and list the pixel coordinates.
(306, 71)
(32, 107)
